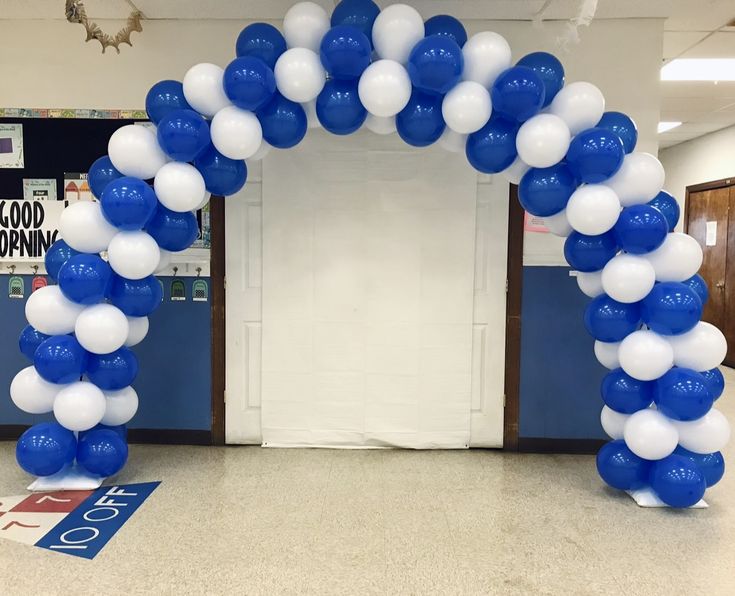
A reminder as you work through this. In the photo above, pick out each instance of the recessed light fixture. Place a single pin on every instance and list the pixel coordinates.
(664, 126)
(699, 69)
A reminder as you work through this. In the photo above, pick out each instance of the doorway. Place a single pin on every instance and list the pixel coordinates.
(710, 218)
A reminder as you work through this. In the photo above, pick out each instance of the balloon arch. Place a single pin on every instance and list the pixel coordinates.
(575, 165)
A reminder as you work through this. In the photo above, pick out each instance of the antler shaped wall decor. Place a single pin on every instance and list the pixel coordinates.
(75, 13)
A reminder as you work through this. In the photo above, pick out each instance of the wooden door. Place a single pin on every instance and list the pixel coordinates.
(710, 219)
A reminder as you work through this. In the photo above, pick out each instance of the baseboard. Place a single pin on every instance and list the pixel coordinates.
(151, 436)
(546, 445)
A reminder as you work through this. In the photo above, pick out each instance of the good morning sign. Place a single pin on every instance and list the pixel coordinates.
(28, 228)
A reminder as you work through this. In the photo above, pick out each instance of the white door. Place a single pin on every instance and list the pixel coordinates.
(384, 302)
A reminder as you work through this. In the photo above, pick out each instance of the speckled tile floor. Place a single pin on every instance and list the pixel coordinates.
(246, 520)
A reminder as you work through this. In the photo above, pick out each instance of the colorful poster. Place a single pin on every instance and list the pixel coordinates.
(28, 228)
(39, 189)
(531, 223)
(199, 291)
(76, 187)
(16, 287)
(11, 146)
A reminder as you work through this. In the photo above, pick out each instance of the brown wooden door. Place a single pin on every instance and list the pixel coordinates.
(710, 219)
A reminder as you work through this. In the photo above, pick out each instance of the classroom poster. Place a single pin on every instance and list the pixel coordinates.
(39, 189)
(11, 146)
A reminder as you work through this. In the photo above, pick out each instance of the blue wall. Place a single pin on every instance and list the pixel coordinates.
(560, 376)
(174, 383)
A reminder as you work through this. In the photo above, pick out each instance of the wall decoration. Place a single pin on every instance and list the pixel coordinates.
(39, 189)
(38, 282)
(76, 187)
(28, 228)
(575, 164)
(11, 146)
(178, 291)
(199, 291)
(16, 287)
(76, 13)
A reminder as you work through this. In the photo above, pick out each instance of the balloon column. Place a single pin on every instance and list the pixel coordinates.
(389, 71)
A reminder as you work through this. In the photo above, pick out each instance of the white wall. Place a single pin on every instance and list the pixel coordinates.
(704, 159)
(47, 64)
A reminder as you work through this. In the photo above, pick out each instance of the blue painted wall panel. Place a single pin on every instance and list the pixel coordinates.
(174, 383)
(560, 376)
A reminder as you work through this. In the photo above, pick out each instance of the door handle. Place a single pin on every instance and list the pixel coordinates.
(720, 285)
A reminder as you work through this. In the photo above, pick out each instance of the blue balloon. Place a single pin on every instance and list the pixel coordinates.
(249, 83)
(421, 122)
(164, 97)
(493, 148)
(624, 394)
(101, 173)
(595, 155)
(697, 283)
(712, 465)
(715, 381)
(85, 279)
(609, 320)
(45, 449)
(222, 176)
(102, 452)
(283, 122)
(128, 203)
(29, 340)
(345, 52)
(435, 64)
(338, 107)
(173, 230)
(447, 26)
(682, 394)
(667, 205)
(136, 297)
(183, 135)
(58, 254)
(113, 371)
(357, 13)
(677, 481)
(262, 41)
(620, 468)
(518, 93)
(546, 191)
(121, 430)
(621, 125)
(671, 308)
(60, 359)
(589, 253)
(640, 229)
(551, 71)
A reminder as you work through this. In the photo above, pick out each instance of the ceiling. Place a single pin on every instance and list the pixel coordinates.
(693, 29)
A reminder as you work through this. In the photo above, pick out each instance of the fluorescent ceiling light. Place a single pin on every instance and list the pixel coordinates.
(664, 126)
(699, 69)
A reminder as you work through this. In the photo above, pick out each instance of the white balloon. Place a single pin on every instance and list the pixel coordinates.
(202, 204)
(236, 133)
(590, 283)
(650, 435)
(613, 423)
(452, 141)
(380, 125)
(384, 88)
(558, 223)
(467, 107)
(702, 348)
(707, 434)
(396, 30)
(134, 151)
(304, 25)
(179, 186)
(486, 55)
(164, 260)
(645, 355)
(628, 278)
(84, 228)
(50, 312)
(592, 209)
(79, 406)
(513, 174)
(120, 406)
(639, 179)
(312, 120)
(262, 151)
(137, 330)
(203, 89)
(102, 328)
(133, 255)
(300, 75)
(677, 259)
(543, 140)
(580, 105)
(607, 354)
(33, 394)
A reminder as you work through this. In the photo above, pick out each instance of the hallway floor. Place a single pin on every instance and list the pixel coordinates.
(246, 520)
